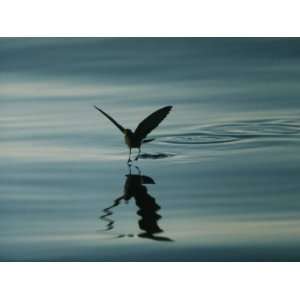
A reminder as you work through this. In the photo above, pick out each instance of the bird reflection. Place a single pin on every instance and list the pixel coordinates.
(134, 187)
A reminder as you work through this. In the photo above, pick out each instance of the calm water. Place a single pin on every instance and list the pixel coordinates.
(219, 182)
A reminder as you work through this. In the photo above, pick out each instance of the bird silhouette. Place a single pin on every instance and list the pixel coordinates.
(137, 138)
(134, 187)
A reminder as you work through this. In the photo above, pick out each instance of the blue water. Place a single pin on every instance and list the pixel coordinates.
(220, 181)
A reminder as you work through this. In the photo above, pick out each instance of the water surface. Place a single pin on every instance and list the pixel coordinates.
(220, 182)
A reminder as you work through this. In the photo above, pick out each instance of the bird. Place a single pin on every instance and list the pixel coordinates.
(138, 137)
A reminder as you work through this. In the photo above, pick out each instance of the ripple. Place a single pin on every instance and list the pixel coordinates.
(236, 131)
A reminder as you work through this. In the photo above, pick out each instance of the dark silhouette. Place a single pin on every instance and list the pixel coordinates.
(134, 187)
(137, 138)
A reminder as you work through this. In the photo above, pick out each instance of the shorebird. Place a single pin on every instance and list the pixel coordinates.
(137, 138)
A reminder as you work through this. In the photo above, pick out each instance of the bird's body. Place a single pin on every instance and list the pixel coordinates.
(130, 139)
(137, 138)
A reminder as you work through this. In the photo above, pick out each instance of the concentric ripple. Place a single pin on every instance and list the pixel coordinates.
(237, 131)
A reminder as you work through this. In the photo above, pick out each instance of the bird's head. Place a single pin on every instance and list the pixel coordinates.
(128, 132)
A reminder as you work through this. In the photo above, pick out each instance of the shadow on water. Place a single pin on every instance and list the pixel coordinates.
(134, 187)
(155, 156)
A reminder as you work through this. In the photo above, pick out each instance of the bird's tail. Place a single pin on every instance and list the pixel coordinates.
(148, 141)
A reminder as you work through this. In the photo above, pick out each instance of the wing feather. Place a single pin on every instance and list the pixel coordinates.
(111, 119)
(151, 122)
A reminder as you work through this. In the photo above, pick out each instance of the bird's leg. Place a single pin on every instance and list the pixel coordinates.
(138, 169)
(129, 159)
(140, 174)
(138, 156)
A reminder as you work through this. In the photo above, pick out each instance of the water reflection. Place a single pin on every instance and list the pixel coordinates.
(134, 187)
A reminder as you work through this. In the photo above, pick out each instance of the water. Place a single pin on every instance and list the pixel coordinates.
(219, 182)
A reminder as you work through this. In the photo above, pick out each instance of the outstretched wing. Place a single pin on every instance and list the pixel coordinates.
(111, 119)
(151, 122)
